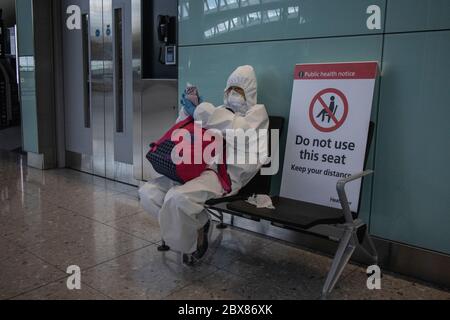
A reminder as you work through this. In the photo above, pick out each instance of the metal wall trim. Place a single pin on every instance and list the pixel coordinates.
(159, 111)
(137, 89)
(35, 160)
(108, 88)
(97, 86)
(80, 162)
(123, 172)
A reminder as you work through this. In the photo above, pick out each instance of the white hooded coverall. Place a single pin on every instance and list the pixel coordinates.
(180, 208)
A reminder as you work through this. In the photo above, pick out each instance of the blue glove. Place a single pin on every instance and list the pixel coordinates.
(189, 107)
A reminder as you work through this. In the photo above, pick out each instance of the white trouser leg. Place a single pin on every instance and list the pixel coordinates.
(152, 194)
(183, 213)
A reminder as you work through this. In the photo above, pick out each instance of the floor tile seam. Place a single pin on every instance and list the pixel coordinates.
(112, 227)
(195, 281)
(35, 288)
(87, 269)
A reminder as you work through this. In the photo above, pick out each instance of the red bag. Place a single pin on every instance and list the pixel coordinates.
(160, 156)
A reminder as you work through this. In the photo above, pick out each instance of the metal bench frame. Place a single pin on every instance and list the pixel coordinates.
(350, 235)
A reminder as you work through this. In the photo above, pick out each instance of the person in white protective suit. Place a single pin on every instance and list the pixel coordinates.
(180, 208)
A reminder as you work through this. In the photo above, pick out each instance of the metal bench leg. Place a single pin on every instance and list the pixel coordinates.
(163, 247)
(219, 216)
(222, 226)
(346, 247)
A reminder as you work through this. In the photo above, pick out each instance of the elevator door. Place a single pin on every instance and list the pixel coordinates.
(98, 89)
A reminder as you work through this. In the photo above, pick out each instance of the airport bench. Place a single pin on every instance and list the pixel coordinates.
(340, 225)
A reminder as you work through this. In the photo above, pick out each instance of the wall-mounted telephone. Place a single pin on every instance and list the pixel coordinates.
(167, 33)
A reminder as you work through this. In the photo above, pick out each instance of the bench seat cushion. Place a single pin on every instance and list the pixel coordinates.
(292, 213)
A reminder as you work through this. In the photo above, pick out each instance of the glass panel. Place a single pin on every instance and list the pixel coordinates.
(118, 61)
(411, 195)
(231, 21)
(86, 72)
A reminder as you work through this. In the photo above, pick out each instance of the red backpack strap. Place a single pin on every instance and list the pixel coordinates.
(222, 173)
(169, 133)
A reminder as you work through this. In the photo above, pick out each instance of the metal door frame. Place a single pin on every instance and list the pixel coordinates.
(79, 161)
(102, 96)
(137, 89)
(98, 87)
(117, 170)
(102, 102)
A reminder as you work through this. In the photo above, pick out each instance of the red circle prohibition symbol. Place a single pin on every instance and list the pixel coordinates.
(318, 98)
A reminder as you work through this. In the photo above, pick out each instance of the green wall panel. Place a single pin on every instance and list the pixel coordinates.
(219, 21)
(24, 16)
(28, 104)
(411, 188)
(29, 123)
(209, 66)
(417, 15)
(27, 69)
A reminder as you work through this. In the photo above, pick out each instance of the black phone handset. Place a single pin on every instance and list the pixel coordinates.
(167, 36)
(163, 29)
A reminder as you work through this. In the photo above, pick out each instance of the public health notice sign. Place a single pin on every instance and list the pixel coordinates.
(328, 130)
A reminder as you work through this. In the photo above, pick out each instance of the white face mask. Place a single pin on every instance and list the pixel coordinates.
(236, 101)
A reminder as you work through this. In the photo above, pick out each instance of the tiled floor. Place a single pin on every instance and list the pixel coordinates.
(53, 219)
